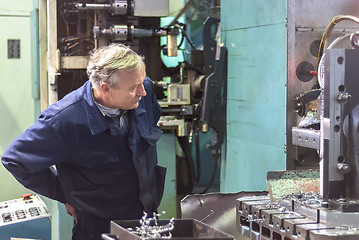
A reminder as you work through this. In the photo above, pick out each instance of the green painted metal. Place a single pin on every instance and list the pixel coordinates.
(35, 58)
(64, 225)
(16, 8)
(255, 35)
(281, 183)
(18, 108)
(19, 92)
(240, 14)
(166, 149)
(61, 222)
(16, 102)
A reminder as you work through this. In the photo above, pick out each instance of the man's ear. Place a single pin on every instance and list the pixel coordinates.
(105, 88)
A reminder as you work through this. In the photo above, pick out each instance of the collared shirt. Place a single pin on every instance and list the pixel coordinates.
(109, 112)
(118, 117)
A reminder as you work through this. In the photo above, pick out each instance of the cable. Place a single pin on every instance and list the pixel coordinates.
(325, 37)
(188, 4)
(198, 156)
(64, 16)
(184, 34)
(332, 45)
(183, 141)
(216, 158)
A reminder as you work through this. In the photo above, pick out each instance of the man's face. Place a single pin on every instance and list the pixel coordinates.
(129, 90)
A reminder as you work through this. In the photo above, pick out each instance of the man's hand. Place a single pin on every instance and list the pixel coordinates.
(72, 211)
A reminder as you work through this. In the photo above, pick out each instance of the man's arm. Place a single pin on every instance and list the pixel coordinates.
(155, 106)
(30, 159)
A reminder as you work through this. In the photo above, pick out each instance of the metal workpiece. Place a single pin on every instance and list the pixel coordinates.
(278, 219)
(333, 217)
(268, 214)
(307, 199)
(247, 206)
(290, 225)
(331, 234)
(170, 122)
(257, 210)
(242, 200)
(309, 138)
(297, 216)
(305, 204)
(306, 210)
(303, 230)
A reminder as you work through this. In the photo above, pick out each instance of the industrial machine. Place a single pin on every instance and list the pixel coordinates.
(332, 212)
(79, 27)
(304, 36)
(190, 94)
(25, 217)
(321, 101)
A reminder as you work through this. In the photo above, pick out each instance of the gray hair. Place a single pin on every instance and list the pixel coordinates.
(108, 59)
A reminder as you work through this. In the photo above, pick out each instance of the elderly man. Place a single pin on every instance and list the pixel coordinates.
(102, 139)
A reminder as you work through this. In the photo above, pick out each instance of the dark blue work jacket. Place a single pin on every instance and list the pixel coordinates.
(112, 177)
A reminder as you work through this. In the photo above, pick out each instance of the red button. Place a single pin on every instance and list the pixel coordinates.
(26, 196)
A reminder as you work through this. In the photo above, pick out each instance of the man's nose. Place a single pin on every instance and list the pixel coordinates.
(141, 91)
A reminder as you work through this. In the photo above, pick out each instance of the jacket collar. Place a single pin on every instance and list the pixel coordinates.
(97, 122)
(141, 108)
(135, 118)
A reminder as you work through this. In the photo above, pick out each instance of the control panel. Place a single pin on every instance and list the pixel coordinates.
(26, 208)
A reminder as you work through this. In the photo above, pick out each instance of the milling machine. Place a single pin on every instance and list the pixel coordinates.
(332, 212)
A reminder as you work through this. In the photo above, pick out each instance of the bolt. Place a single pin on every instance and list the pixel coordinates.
(343, 168)
(344, 97)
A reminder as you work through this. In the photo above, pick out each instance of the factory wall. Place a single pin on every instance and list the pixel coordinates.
(255, 35)
(17, 106)
(19, 94)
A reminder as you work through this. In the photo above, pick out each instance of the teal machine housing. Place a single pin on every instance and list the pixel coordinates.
(272, 61)
(255, 34)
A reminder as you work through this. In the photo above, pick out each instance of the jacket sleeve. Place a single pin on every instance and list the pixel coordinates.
(155, 106)
(30, 159)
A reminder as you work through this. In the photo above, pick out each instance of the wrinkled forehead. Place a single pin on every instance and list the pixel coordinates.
(128, 78)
